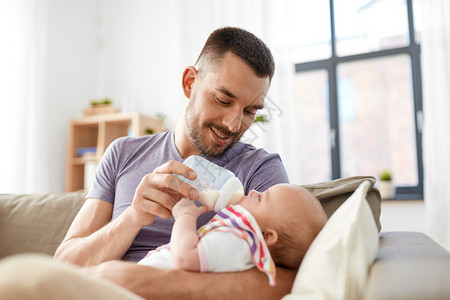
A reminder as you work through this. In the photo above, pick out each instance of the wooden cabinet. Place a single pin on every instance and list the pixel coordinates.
(89, 136)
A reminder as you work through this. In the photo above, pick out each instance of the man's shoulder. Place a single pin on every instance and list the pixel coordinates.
(247, 158)
(129, 142)
(255, 167)
(244, 151)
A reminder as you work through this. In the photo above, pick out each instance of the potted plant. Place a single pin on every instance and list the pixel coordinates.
(385, 185)
(97, 107)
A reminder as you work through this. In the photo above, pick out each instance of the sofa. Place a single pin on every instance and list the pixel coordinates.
(405, 265)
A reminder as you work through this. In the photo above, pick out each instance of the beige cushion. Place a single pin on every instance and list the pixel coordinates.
(36, 223)
(333, 193)
(336, 265)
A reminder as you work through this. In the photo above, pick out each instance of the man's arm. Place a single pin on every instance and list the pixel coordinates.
(93, 239)
(152, 283)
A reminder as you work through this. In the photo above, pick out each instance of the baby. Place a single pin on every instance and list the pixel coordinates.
(264, 229)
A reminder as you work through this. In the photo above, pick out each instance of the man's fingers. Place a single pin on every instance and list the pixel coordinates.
(171, 182)
(203, 209)
(162, 208)
(176, 167)
(164, 198)
(158, 191)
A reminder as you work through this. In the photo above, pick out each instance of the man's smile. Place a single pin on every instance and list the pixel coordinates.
(218, 137)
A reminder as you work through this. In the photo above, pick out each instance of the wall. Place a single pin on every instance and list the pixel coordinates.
(136, 69)
(406, 215)
(403, 215)
(68, 80)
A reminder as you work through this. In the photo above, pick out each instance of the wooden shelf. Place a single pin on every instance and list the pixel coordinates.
(98, 131)
(83, 160)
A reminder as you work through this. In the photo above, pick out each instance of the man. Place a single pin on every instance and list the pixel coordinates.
(128, 209)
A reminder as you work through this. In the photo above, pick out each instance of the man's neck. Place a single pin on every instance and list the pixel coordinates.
(183, 142)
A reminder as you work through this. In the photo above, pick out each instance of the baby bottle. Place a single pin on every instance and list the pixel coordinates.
(217, 186)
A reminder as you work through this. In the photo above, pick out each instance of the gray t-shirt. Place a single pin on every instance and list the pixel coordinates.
(128, 159)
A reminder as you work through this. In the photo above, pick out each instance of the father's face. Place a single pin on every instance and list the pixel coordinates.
(223, 104)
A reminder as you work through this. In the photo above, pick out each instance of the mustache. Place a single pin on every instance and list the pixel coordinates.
(224, 130)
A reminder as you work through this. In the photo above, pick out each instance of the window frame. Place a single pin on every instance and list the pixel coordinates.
(331, 64)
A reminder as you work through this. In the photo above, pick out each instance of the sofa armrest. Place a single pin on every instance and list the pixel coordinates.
(36, 222)
(409, 265)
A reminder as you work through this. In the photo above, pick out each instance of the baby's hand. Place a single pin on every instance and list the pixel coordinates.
(187, 207)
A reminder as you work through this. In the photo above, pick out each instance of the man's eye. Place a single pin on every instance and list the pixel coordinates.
(221, 101)
(250, 112)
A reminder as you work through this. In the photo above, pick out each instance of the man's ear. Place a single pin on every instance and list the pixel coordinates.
(270, 236)
(189, 76)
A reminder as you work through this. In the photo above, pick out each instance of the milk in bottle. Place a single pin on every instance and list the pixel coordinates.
(217, 186)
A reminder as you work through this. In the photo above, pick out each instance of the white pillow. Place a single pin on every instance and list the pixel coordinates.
(337, 262)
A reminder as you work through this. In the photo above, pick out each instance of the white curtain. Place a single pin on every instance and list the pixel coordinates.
(48, 52)
(436, 107)
(19, 93)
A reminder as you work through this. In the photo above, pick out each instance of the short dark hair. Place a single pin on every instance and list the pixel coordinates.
(241, 43)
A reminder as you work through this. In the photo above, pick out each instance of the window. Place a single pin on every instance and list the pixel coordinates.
(358, 90)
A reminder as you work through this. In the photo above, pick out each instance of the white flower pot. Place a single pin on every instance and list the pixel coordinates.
(387, 189)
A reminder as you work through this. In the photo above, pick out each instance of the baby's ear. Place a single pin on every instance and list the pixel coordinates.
(270, 236)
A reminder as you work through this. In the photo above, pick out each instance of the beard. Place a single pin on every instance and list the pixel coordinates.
(202, 143)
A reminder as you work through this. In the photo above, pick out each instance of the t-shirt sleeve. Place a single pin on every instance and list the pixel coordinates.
(103, 185)
(224, 252)
(270, 172)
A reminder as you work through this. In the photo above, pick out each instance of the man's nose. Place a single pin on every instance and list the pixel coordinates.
(233, 120)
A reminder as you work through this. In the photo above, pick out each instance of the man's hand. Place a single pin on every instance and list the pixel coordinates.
(160, 190)
(153, 283)
(145, 281)
(117, 271)
(93, 229)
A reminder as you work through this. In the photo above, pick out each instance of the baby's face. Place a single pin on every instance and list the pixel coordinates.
(270, 206)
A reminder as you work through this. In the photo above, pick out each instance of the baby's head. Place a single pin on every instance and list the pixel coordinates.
(290, 218)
